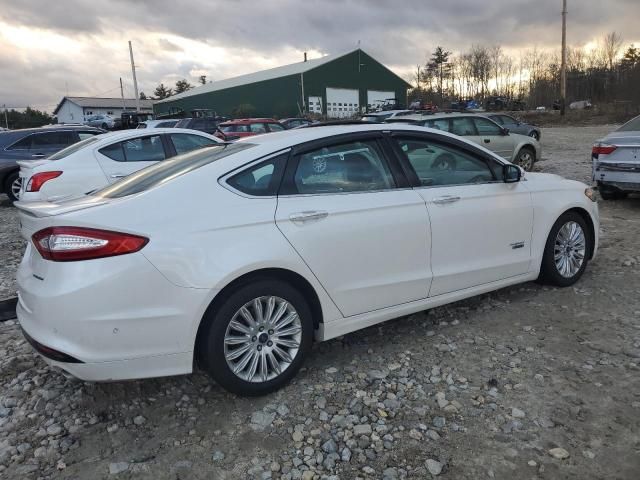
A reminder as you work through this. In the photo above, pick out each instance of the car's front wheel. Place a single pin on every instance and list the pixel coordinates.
(525, 158)
(566, 252)
(256, 341)
(12, 186)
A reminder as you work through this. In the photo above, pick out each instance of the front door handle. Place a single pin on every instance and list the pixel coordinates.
(118, 175)
(308, 216)
(487, 140)
(445, 199)
(38, 155)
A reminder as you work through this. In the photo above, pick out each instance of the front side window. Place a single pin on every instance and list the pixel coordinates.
(349, 167)
(65, 152)
(185, 142)
(507, 120)
(487, 127)
(275, 127)
(145, 149)
(438, 124)
(262, 179)
(437, 164)
(463, 126)
(258, 128)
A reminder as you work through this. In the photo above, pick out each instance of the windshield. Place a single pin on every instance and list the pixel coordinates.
(65, 152)
(632, 125)
(167, 170)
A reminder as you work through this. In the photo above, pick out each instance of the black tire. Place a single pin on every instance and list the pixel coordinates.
(105, 126)
(11, 178)
(611, 193)
(525, 158)
(211, 348)
(549, 272)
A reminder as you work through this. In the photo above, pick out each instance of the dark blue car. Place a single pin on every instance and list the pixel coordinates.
(34, 144)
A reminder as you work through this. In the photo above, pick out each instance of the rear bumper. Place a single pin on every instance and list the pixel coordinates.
(114, 319)
(624, 177)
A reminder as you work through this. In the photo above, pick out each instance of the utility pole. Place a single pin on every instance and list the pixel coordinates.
(135, 81)
(124, 104)
(6, 121)
(563, 66)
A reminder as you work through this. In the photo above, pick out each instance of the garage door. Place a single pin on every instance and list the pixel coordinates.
(315, 105)
(375, 98)
(342, 102)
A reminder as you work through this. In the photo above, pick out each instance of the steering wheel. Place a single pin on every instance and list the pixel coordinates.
(444, 161)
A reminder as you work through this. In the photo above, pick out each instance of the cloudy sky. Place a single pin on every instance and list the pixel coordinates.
(51, 47)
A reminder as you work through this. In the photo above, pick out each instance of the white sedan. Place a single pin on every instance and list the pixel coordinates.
(279, 239)
(98, 161)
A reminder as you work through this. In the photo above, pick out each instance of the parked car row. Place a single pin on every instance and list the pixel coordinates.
(234, 257)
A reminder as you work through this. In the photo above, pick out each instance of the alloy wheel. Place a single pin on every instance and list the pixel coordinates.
(525, 160)
(569, 249)
(262, 339)
(16, 186)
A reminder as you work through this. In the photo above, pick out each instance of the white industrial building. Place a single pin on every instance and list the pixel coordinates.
(78, 109)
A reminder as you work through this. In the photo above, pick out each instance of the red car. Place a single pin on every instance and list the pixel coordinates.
(246, 127)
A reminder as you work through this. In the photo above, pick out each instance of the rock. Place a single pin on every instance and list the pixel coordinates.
(283, 410)
(368, 470)
(118, 467)
(261, 420)
(390, 473)
(297, 436)
(54, 430)
(376, 374)
(559, 453)
(532, 463)
(308, 475)
(217, 456)
(416, 435)
(362, 430)
(538, 378)
(433, 435)
(331, 370)
(345, 455)
(517, 413)
(139, 420)
(434, 467)
(330, 446)
(112, 428)
(439, 422)
(182, 465)
(274, 467)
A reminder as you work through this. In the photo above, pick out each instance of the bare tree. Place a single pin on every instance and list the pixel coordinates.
(611, 46)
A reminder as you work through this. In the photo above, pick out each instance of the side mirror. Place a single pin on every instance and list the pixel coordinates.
(511, 173)
(505, 131)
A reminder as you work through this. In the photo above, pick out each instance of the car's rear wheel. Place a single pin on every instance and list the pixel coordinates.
(611, 193)
(256, 341)
(525, 159)
(566, 251)
(12, 186)
(105, 126)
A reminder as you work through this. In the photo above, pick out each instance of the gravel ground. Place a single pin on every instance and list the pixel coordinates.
(527, 382)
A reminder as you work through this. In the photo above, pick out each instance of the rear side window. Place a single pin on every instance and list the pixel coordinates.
(84, 135)
(144, 149)
(170, 169)
(166, 124)
(463, 126)
(258, 128)
(276, 127)
(349, 167)
(184, 123)
(262, 179)
(438, 124)
(185, 142)
(65, 152)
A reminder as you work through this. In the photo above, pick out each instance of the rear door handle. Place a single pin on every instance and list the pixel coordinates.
(308, 216)
(445, 199)
(487, 140)
(118, 175)
(38, 155)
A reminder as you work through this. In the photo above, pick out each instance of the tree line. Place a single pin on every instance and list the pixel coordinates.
(162, 91)
(606, 73)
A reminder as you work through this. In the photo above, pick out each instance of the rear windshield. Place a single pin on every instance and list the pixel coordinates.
(65, 152)
(184, 123)
(167, 170)
(632, 125)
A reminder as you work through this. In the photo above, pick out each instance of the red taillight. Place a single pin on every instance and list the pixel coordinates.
(602, 149)
(67, 244)
(35, 183)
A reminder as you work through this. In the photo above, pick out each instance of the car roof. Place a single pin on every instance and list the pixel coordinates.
(45, 128)
(240, 121)
(141, 132)
(386, 112)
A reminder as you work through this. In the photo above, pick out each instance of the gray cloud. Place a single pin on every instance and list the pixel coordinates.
(400, 34)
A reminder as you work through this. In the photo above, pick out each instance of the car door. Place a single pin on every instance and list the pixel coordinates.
(492, 136)
(122, 158)
(480, 226)
(350, 215)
